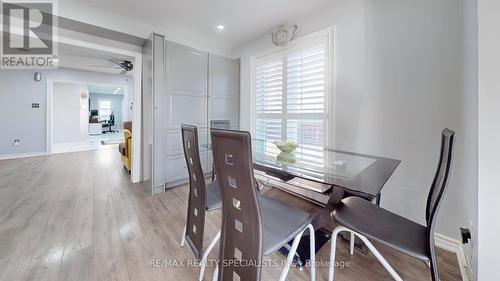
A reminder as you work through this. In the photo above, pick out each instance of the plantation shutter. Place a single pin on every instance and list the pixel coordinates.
(269, 93)
(306, 99)
(306, 81)
(291, 103)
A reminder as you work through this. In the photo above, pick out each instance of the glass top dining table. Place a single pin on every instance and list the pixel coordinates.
(358, 174)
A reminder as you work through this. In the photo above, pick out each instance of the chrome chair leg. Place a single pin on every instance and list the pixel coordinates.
(351, 248)
(312, 249)
(183, 239)
(370, 246)
(331, 269)
(379, 256)
(203, 262)
(216, 273)
(293, 250)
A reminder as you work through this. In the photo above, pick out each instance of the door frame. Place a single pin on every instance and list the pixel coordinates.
(136, 172)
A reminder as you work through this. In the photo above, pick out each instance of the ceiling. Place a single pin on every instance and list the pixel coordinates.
(81, 58)
(108, 90)
(244, 20)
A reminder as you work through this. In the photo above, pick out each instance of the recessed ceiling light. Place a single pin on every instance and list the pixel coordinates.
(220, 27)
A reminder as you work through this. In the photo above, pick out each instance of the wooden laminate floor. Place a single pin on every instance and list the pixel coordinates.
(77, 217)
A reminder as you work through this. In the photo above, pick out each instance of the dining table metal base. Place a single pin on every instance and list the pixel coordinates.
(302, 256)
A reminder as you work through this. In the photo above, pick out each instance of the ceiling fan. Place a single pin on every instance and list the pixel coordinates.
(125, 66)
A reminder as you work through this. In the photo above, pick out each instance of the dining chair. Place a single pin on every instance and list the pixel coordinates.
(202, 198)
(368, 221)
(253, 225)
(219, 124)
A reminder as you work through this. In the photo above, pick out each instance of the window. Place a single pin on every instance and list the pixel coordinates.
(291, 96)
(105, 108)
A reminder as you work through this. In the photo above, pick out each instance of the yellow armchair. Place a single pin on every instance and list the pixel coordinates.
(126, 148)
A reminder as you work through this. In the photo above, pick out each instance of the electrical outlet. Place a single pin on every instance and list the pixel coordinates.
(466, 236)
(473, 232)
(16, 143)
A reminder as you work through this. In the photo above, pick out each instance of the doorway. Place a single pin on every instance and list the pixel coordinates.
(89, 116)
(108, 111)
(104, 96)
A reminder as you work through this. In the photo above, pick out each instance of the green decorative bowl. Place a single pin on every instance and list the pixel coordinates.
(286, 147)
(285, 157)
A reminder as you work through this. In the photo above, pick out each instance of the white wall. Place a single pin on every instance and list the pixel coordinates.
(70, 113)
(398, 72)
(489, 140)
(19, 90)
(17, 119)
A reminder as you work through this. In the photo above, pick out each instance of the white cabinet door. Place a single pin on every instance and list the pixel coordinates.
(186, 103)
(176, 168)
(186, 100)
(223, 96)
(225, 108)
(224, 88)
(224, 76)
(174, 142)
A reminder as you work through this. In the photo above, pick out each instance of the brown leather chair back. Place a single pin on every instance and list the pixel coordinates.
(219, 124)
(195, 224)
(241, 233)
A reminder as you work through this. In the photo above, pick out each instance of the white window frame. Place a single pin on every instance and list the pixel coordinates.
(99, 105)
(323, 36)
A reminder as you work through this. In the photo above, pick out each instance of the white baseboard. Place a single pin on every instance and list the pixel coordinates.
(22, 155)
(454, 246)
(73, 147)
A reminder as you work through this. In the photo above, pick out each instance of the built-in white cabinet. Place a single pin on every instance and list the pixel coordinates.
(199, 87)
(182, 85)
